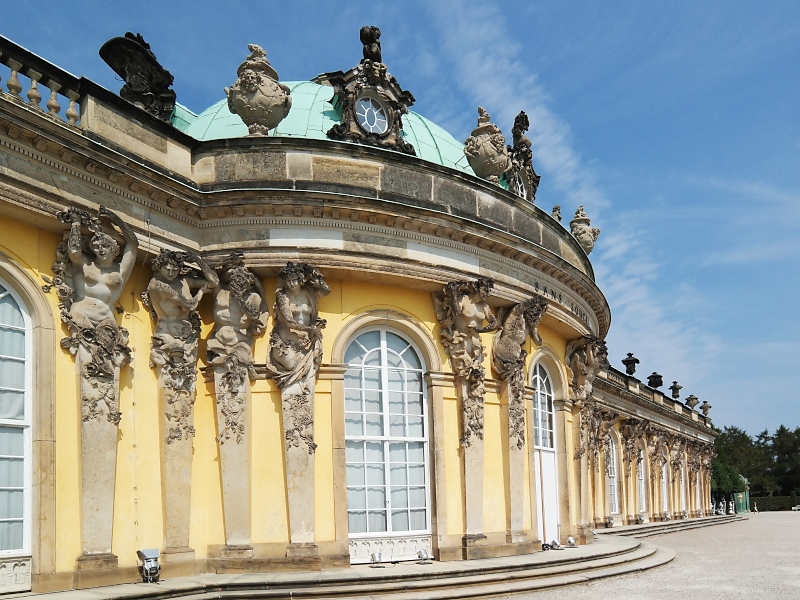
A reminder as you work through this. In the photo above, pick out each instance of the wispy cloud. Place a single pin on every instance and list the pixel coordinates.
(493, 73)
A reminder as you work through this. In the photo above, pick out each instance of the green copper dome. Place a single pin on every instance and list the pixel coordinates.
(311, 116)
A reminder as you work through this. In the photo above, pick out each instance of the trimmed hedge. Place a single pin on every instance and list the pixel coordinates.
(766, 503)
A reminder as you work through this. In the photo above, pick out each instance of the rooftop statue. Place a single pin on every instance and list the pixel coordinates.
(581, 228)
(692, 401)
(147, 83)
(522, 180)
(630, 363)
(676, 390)
(257, 96)
(486, 150)
(371, 38)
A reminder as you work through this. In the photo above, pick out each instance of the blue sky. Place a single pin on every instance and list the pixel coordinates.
(676, 125)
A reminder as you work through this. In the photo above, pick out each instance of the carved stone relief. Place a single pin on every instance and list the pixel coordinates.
(657, 450)
(147, 83)
(486, 150)
(595, 425)
(633, 433)
(178, 284)
(371, 100)
(240, 314)
(461, 310)
(508, 358)
(585, 356)
(293, 362)
(257, 96)
(581, 228)
(89, 281)
(522, 179)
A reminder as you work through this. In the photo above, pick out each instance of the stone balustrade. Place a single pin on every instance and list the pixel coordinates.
(38, 84)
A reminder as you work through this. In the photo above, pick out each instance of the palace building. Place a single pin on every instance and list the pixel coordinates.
(302, 329)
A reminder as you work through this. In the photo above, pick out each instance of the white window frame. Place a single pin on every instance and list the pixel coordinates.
(386, 440)
(664, 487)
(640, 486)
(541, 410)
(26, 425)
(611, 475)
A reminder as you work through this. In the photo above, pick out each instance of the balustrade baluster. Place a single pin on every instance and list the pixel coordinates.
(34, 97)
(53, 106)
(13, 84)
(72, 114)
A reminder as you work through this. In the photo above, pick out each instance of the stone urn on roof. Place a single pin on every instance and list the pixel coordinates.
(486, 150)
(581, 228)
(257, 96)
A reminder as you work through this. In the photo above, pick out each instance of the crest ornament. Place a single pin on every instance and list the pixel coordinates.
(371, 101)
(581, 228)
(257, 96)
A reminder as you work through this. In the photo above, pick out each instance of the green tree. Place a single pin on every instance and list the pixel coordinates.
(785, 449)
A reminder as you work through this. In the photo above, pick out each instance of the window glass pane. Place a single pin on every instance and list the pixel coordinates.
(374, 425)
(356, 498)
(372, 379)
(376, 497)
(12, 441)
(377, 521)
(12, 373)
(416, 497)
(353, 424)
(396, 380)
(412, 359)
(357, 522)
(354, 451)
(415, 427)
(396, 403)
(395, 342)
(374, 451)
(418, 520)
(352, 401)
(10, 313)
(398, 475)
(414, 404)
(375, 474)
(416, 452)
(372, 401)
(399, 497)
(373, 359)
(12, 405)
(397, 452)
(397, 426)
(370, 340)
(12, 342)
(11, 503)
(400, 520)
(355, 474)
(394, 360)
(416, 474)
(12, 472)
(352, 379)
(11, 535)
(354, 354)
(414, 382)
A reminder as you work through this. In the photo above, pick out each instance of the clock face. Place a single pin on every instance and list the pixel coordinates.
(371, 115)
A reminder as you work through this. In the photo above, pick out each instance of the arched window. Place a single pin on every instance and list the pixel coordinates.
(386, 437)
(683, 488)
(15, 425)
(611, 472)
(640, 488)
(664, 487)
(543, 412)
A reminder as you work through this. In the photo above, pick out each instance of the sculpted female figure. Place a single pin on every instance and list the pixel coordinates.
(296, 339)
(173, 295)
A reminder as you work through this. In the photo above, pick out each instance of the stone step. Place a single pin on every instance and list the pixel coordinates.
(474, 583)
(647, 530)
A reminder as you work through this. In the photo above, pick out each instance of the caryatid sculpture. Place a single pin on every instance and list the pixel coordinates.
(461, 310)
(89, 281)
(508, 358)
(240, 314)
(585, 356)
(293, 362)
(179, 282)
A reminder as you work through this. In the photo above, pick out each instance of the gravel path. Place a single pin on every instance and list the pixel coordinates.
(754, 559)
